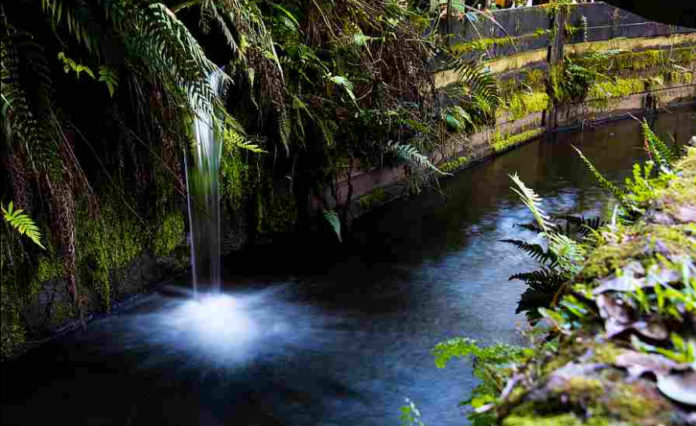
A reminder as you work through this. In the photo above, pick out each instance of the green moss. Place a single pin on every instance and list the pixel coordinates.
(605, 353)
(500, 144)
(581, 390)
(169, 235)
(679, 77)
(535, 79)
(375, 198)
(48, 268)
(634, 402)
(602, 91)
(635, 61)
(453, 165)
(276, 212)
(567, 419)
(106, 243)
(482, 44)
(523, 104)
(233, 172)
(606, 258)
(12, 333)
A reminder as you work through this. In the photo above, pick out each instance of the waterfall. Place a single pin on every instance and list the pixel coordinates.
(202, 180)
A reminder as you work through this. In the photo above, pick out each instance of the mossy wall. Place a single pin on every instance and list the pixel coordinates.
(118, 254)
(637, 66)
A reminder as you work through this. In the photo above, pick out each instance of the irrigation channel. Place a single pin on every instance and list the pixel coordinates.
(301, 340)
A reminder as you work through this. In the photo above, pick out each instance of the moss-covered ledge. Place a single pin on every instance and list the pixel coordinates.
(620, 346)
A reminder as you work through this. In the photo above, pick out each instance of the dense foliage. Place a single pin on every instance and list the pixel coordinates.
(98, 101)
(614, 307)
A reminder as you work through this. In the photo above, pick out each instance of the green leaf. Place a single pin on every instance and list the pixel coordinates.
(109, 77)
(22, 223)
(287, 14)
(334, 221)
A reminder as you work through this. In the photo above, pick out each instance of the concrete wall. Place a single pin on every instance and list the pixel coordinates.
(391, 183)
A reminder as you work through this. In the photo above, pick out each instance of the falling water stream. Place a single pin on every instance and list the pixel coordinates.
(325, 336)
(203, 199)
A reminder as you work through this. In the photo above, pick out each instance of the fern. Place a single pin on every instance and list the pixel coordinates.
(458, 119)
(410, 155)
(663, 155)
(604, 182)
(347, 86)
(581, 225)
(109, 77)
(480, 83)
(234, 138)
(532, 201)
(70, 65)
(333, 221)
(22, 223)
(535, 251)
(542, 286)
(569, 253)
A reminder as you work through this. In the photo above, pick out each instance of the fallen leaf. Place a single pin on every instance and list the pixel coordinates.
(685, 213)
(610, 307)
(638, 363)
(628, 281)
(654, 330)
(680, 387)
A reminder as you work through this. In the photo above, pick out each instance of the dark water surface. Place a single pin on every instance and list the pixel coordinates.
(301, 340)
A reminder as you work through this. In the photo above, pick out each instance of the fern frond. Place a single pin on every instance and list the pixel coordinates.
(663, 155)
(342, 81)
(235, 139)
(22, 108)
(481, 84)
(542, 286)
(333, 220)
(604, 182)
(410, 155)
(542, 275)
(569, 253)
(530, 227)
(532, 201)
(109, 77)
(580, 224)
(536, 251)
(167, 47)
(22, 223)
